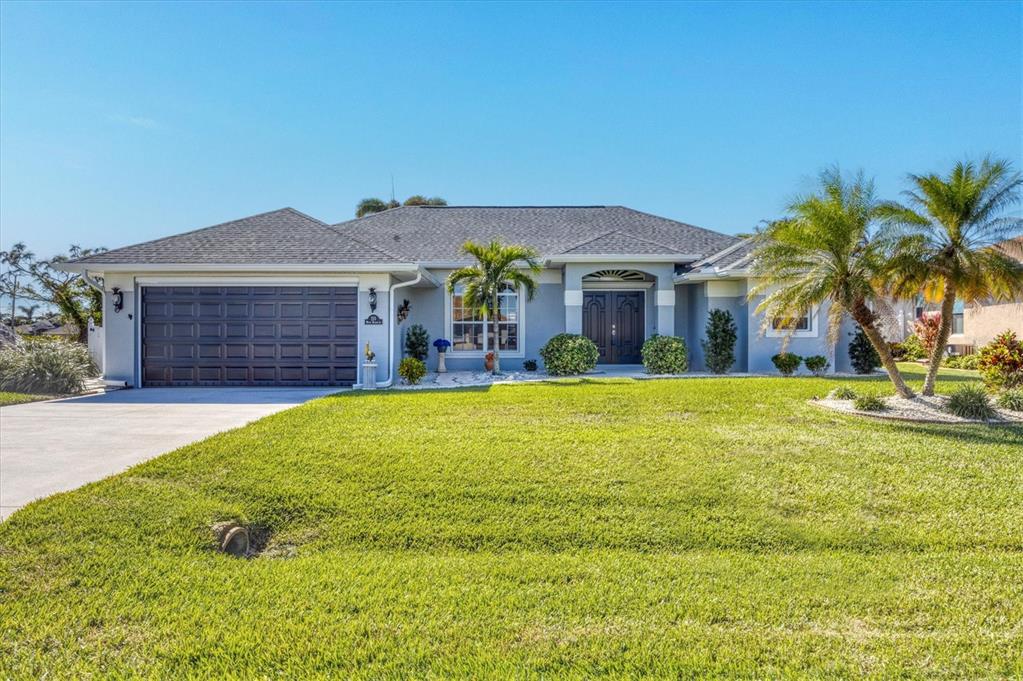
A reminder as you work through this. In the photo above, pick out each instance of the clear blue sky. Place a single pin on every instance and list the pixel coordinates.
(125, 122)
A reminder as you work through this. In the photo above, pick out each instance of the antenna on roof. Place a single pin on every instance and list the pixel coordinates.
(392, 187)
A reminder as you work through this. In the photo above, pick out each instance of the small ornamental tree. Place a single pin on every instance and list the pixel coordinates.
(927, 329)
(862, 354)
(417, 342)
(719, 345)
(1001, 362)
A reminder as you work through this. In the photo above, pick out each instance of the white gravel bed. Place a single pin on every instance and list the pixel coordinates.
(920, 409)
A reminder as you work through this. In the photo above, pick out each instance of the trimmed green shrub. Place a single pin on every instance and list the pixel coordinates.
(719, 345)
(970, 402)
(910, 349)
(529, 365)
(961, 361)
(787, 362)
(843, 392)
(1001, 362)
(665, 355)
(870, 403)
(417, 342)
(569, 353)
(1011, 399)
(52, 368)
(412, 370)
(862, 354)
(818, 364)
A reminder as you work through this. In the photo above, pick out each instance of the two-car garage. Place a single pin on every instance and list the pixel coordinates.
(249, 335)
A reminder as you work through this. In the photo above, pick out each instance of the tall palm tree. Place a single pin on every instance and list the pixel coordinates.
(497, 264)
(947, 241)
(826, 250)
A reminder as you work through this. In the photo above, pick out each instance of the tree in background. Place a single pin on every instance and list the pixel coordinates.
(827, 251)
(29, 312)
(77, 301)
(14, 281)
(497, 265)
(417, 342)
(949, 242)
(719, 345)
(374, 205)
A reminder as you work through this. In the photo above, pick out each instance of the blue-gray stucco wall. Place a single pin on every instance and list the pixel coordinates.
(544, 317)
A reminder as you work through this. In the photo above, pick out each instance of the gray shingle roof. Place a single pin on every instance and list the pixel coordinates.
(436, 233)
(283, 236)
(423, 234)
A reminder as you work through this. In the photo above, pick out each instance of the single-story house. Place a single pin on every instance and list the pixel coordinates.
(281, 298)
(974, 325)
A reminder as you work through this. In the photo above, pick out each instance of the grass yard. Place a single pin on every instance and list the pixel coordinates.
(702, 527)
(9, 398)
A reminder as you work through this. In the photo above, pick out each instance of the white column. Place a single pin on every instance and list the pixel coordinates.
(666, 310)
(573, 311)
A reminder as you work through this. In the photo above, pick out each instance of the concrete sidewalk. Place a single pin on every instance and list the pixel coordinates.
(49, 447)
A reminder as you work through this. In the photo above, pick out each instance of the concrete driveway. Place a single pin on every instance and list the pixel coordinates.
(49, 447)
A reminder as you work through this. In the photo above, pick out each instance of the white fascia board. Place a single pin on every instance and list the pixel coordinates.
(233, 267)
(711, 276)
(625, 258)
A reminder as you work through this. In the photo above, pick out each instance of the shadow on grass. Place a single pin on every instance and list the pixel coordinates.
(971, 433)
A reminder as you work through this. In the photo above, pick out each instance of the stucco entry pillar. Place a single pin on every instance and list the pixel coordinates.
(665, 304)
(574, 298)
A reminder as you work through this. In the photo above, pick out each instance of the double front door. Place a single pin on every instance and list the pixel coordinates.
(614, 321)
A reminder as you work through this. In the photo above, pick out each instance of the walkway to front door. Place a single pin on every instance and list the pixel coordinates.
(614, 321)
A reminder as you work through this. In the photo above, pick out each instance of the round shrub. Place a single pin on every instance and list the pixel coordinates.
(53, 367)
(1001, 362)
(1011, 399)
(843, 392)
(818, 364)
(862, 354)
(970, 402)
(870, 403)
(412, 370)
(665, 355)
(910, 349)
(787, 362)
(961, 361)
(569, 353)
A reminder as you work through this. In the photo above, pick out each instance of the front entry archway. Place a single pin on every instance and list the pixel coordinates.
(614, 320)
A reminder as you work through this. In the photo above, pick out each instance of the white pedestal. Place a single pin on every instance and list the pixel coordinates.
(369, 375)
(441, 369)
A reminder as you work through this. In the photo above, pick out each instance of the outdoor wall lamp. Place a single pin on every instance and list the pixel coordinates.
(118, 299)
(372, 299)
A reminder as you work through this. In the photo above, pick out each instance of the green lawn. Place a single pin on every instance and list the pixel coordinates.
(8, 398)
(674, 528)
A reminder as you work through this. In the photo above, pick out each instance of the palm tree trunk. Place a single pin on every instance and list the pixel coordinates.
(944, 330)
(495, 313)
(865, 317)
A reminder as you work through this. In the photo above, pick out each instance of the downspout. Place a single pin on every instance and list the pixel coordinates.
(90, 281)
(391, 323)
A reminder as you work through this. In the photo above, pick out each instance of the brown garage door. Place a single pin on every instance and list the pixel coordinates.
(261, 335)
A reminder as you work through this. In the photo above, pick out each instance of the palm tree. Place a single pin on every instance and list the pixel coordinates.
(826, 251)
(372, 205)
(29, 312)
(496, 265)
(947, 241)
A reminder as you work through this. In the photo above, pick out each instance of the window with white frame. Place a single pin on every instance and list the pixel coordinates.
(803, 324)
(473, 332)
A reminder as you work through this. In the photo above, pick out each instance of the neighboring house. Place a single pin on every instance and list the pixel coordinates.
(976, 324)
(45, 327)
(281, 298)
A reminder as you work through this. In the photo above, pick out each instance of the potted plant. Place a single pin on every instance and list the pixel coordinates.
(442, 345)
(488, 361)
